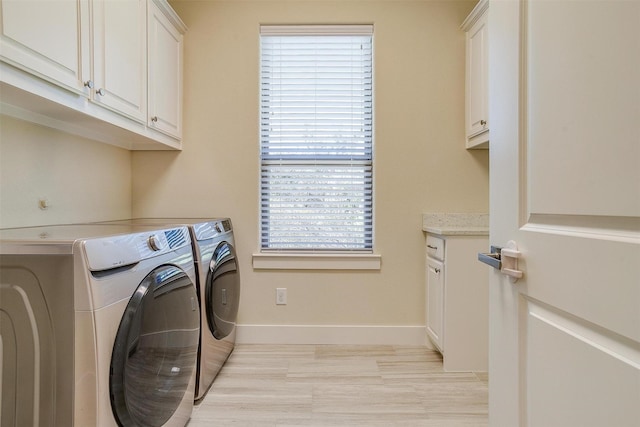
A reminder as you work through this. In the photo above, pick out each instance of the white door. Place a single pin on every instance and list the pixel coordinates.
(120, 56)
(435, 302)
(477, 105)
(165, 73)
(565, 186)
(44, 38)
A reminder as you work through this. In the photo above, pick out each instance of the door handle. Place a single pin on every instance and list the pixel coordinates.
(504, 259)
(492, 258)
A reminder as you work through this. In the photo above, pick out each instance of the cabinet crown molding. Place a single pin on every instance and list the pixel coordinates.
(171, 15)
(475, 14)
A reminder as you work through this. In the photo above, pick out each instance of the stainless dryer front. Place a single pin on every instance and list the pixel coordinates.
(218, 284)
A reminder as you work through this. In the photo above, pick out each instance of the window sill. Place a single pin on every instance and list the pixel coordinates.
(316, 261)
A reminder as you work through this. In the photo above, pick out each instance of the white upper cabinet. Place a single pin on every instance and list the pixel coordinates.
(46, 43)
(165, 40)
(476, 85)
(120, 56)
(105, 70)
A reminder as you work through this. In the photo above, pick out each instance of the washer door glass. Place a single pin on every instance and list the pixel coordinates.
(222, 292)
(155, 350)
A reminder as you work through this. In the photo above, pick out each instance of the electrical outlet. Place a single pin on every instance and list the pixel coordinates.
(281, 296)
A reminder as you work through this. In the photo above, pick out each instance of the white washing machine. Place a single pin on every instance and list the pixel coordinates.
(100, 326)
(218, 283)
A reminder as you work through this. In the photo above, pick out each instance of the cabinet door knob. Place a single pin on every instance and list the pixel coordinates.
(154, 119)
(89, 84)
(483, 122)
(100, 92)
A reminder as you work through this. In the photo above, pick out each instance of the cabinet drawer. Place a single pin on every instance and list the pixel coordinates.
(435, 247)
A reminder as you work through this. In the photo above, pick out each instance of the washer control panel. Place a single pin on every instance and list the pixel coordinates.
(117, 251)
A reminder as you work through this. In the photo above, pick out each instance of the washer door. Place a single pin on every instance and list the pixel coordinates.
(155, 350)
(222, 291)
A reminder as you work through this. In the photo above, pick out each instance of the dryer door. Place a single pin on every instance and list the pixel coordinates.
(155, 349)
(222, 291)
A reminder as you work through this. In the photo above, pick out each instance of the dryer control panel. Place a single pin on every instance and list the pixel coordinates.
(210, 229)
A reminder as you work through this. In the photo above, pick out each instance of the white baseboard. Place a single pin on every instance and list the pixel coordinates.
(331, 334)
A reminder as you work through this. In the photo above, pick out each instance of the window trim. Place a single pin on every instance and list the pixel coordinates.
(317, 30)
(316, 261)
(284, 258)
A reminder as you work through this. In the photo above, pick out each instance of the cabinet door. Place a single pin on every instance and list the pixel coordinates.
(165, 73)
(477, 90)
(119, 56)
(43, 38)
(435, 302)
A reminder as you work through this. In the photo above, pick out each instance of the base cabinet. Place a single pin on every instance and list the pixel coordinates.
(435, 302)
(457, 306)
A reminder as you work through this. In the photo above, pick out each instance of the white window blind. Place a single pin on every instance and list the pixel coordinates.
(316, 138)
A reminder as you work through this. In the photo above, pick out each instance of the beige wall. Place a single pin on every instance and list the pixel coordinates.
(420, 165)
(83, 180)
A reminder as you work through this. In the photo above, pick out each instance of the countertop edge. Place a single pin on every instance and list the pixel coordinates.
(457, 231)
(456, 224)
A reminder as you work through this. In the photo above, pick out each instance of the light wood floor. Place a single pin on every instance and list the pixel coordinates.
(327, 385)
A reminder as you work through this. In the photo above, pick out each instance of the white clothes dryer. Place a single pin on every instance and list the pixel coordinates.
(100, 326)
(218, 283)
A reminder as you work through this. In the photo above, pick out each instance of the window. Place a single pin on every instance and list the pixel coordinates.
(316, 138)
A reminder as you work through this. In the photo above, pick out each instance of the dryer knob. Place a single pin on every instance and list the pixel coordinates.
(217, 227)
(155, 243)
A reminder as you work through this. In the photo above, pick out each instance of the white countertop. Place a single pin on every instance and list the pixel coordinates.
(456, 224)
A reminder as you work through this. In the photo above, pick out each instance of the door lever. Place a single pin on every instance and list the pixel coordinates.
(504, 259)
(494, 259)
